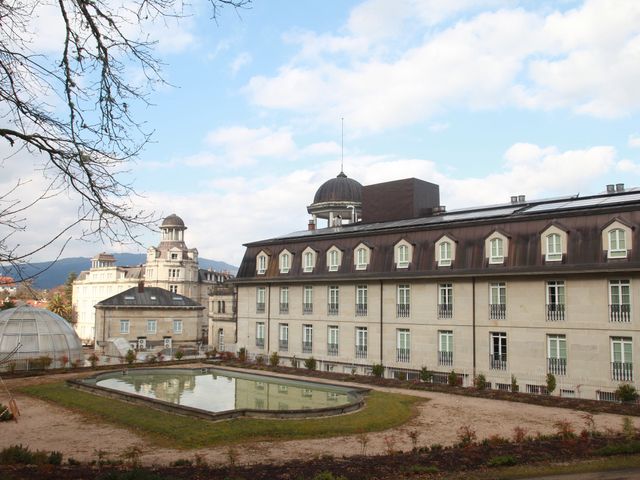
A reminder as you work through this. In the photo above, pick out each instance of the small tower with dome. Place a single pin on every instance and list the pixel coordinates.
(337, 200)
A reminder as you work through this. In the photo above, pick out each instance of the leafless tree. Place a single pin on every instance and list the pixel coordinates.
(76, 108)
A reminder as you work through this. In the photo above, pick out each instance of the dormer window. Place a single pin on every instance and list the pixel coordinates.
(554, 248)
(362, 257)
(334, 258)
(403, 252)
(445, 254)
(308, 260)
(262, 263)
(617, 244)
(285, 261)
(496, 247)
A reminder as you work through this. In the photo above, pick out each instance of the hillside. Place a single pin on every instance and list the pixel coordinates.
(54, 274)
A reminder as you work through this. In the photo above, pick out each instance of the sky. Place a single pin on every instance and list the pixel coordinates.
(486, 98)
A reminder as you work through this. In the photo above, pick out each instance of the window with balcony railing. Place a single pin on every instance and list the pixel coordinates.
(498, 361)
(283, 345)
(284, 308)
(403, 310)
(260, 307)
(445, 358)
(497, 311)
(307, 347)
(445, 310)
(620, 313)
(361, 351)
(361, 309)
(622, 371)
(403, 355)
(332, 349)
(557, 366)
(307, 308)
(555, 312)
(332, 309)
(260, 342)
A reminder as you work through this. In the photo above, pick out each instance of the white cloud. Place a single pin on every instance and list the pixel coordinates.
(586, 60)
(242, 145)
(634, 140)
(240, 61)
(321, 149)
(439, 127)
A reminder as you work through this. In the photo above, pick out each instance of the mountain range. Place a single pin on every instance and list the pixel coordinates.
(51, 274)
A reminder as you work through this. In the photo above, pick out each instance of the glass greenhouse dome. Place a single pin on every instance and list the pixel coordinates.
(41, 335)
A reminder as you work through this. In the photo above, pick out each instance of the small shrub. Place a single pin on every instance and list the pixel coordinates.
(413, 436)
(130, 357)
(627, 448)
(496, 439)
(182, 462)
(453, 378)
(377, 370)
(514, 384)
(73, 462)
(389, 443)
(363, 440)
(132, 456)
(16, 454)
(55, 458)
(93, 360)
(260, 360)
(294, 362)
(310, 363)
(519, 434)
(627, 393)
(11, 367)
(425, 374)
(481, 382)
(274, 359)
(45, 361)
(502, 461)
(466, 435)
(551, 383)
(200, 461)
(564, 429)
(232, 455)
(242, 354)
(5, 413)
(628, 429)
(435, 447)
(152, 359)
(178, 354)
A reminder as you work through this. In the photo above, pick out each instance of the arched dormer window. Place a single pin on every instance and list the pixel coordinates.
(554, 247)
(285, 261)
(403, 252)
(308, 260)
(553, 242)
(616, 239)
(496, 247)
(445, 251)
(361, 257)
(262, 263)
(334, 259)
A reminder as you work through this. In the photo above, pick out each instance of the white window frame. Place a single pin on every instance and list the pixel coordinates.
(333, 334)
(284, 295)
(362, 258)
(445, 254)
(261, 264)
(285, 262)
(283, 332)
(501, 289)
(402, 254)
(403, 338)
(333, 259)
(124, 326)
(260, 331)
(404, 294)
(617, 243)
(151, 323)
(560, 292)
(307, 296)
(177, 326)
(496, 250)
(362, 295)
(556, 343)
(445, 340)
(309, 259)
(445, 294)
(553, 247)
(502, 344)
(626, 354)
(362, 337)
(307, 333)
(620, 285)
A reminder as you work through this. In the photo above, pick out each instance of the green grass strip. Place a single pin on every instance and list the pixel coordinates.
(382, 411)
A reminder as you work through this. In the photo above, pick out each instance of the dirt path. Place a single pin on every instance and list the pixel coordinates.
(49, 427)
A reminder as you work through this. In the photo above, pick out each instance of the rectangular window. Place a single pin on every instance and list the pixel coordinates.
(283, 337)
(333, 260)
(445, 300)
(173, 288)
(284, 263)
(177, 326)
(308, 262)
(555, 300)
(333, 306)
(260, 299)
(307, 339)
(152, 326)
(497, 301)
(361, 342)
(444, 254)
(362, 258)
(402, 253)
(262, 264)
(307, 299)
(619, 301)
(496, 254)
(260, 334)
(617, 244)
(498, 355)
(332, 340)
(557, 354)
(445, 347)
(554, 248)
(403, 300)
(403, 345)
(622, 359)
(284, 299)
(124, 326)
(361, 300)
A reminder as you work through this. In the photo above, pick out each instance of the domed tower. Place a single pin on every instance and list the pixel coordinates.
(336, 200)
(173, 230)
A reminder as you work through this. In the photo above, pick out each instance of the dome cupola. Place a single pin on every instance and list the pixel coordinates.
(337, 199)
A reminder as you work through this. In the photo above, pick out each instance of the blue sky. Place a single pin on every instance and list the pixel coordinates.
(488, 99)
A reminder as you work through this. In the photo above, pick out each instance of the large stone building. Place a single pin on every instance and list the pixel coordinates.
(512, 291)
(171, 265)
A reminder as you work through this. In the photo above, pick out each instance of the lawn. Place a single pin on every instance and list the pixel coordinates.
(382, 411)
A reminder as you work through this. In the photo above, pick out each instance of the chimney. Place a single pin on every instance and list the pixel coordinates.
(611, 188)
(514, 199)
(521, 198)
(619, 187)
(141, 286)
(312, 224)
